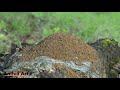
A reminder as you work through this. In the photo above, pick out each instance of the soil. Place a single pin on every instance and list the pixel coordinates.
(60, 46)
(66, 71)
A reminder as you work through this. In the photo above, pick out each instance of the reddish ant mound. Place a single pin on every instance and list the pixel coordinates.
(62, 47)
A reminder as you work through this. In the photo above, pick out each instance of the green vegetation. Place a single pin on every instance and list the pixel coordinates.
(32, 27)
(108, 41)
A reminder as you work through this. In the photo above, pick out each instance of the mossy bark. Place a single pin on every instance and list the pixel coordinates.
(109, 51)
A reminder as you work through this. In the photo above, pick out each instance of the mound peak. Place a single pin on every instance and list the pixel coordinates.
(60, 46)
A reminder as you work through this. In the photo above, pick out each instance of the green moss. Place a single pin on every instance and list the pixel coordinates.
(118, 60)
(114, 61)
(108, 41)
(113, 73)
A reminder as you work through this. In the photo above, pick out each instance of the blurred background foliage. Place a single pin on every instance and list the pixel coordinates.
(32, 27)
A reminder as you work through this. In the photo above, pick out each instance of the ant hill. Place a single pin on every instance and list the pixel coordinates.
(62, 47)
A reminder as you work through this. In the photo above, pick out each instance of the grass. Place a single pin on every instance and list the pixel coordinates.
(88, 26)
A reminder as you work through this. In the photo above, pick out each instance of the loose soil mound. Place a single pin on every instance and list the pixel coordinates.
(60, 46)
